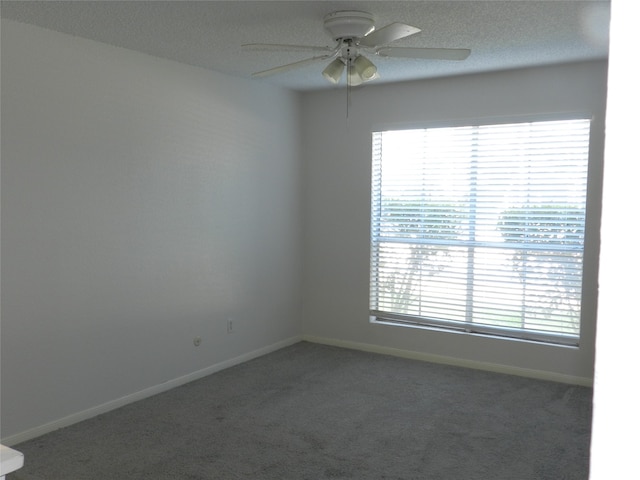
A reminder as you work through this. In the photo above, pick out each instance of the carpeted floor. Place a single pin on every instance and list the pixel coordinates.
(317, 412)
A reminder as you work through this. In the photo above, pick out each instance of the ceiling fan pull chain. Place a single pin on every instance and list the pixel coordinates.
(348, 85)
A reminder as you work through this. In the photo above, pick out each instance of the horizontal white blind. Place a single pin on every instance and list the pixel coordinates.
(481, 228)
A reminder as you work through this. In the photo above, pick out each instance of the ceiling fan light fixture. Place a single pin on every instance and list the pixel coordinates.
(334, 70)
(366, 70)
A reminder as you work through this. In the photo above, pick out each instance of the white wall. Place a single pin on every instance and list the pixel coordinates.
(337, 185)
(143, 203)
(616, 417)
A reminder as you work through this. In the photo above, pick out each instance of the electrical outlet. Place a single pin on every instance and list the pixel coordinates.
(230, 325)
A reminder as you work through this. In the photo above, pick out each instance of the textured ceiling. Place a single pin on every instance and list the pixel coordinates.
(500, 34)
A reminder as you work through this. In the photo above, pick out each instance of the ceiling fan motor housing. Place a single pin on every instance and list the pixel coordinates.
(348, 24)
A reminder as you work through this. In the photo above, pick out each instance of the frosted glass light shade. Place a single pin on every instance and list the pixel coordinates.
(365, 68)
(333, 71)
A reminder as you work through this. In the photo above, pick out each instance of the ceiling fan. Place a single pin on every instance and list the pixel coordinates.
(354, 33)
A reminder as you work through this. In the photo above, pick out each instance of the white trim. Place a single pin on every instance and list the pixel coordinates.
(10, 461)
(485, 120)
(489, 332)
(147, 392)
(458, 362)
(163, 387)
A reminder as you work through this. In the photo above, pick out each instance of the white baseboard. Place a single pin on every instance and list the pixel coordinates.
(142, 394)
(163, 387)
(458, 362)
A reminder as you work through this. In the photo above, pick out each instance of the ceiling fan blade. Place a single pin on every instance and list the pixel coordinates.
(425, 53)
(281, 47)
(388, 34)
(290, 66)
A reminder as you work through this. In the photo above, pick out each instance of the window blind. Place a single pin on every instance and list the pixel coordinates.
(481, 228)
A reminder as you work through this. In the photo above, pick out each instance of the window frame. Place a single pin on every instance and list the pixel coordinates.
(501, 332)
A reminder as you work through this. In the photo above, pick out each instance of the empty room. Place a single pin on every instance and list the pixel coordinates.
(308, 239)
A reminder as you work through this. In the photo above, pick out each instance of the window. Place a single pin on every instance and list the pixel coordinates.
(481, 228)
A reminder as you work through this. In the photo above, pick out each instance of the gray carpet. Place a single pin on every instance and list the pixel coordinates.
(317, 412)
